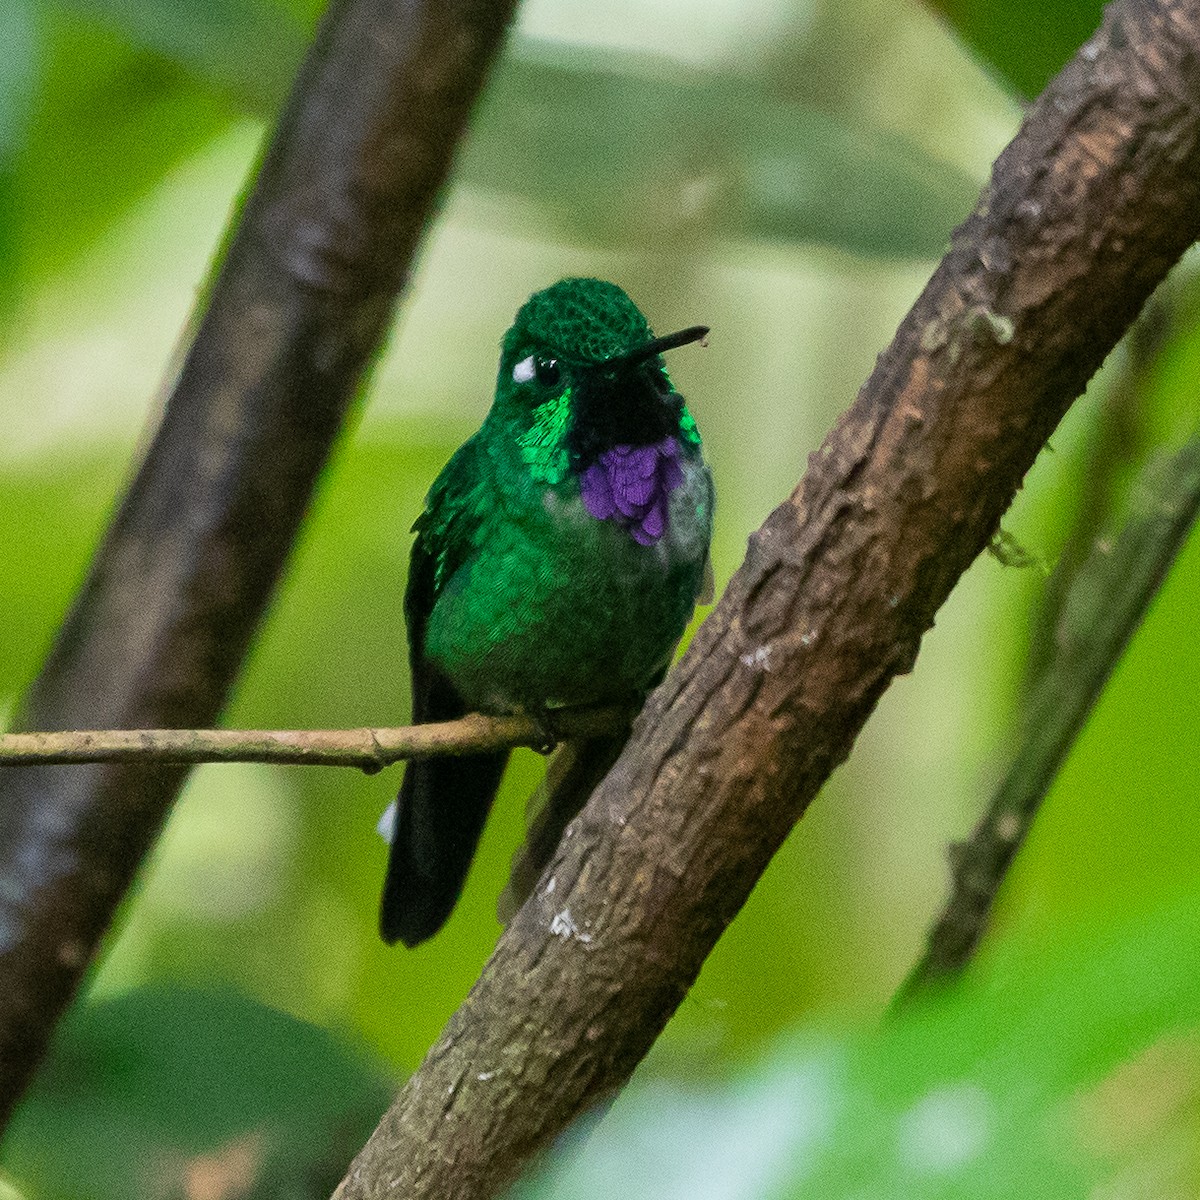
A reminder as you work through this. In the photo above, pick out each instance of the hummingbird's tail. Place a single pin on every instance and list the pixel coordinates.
(572, 775)
(440, 812)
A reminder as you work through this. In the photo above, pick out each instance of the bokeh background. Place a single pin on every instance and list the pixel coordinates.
(788, 172)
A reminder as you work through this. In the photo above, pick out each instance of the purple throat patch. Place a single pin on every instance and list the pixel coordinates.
(631, 485)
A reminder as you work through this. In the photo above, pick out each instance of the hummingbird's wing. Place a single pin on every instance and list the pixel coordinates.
(443, 802)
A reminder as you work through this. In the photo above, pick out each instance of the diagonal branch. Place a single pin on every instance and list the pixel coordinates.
(1100, 613)
(156, 637)
(1087, 209)
(1119, 439)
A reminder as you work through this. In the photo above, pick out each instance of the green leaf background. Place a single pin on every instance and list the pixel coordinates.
(787, 173)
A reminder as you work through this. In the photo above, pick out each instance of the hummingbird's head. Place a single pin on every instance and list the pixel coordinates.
(581, 372)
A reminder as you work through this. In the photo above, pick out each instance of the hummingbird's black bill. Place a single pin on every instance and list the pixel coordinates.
(670, 341)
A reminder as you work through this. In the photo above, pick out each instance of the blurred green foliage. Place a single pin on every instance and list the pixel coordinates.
(18, 79)
(1024, 41)
(247, 49)
(1071, 1075)
(172, 1091)
(699, 150)
(785, 172)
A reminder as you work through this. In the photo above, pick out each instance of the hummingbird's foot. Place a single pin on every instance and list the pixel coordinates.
(546, 730)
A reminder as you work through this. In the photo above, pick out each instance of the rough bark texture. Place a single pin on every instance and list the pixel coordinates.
(1087, 209)
(158, 632)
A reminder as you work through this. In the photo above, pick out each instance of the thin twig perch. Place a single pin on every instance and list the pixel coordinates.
(369, 749)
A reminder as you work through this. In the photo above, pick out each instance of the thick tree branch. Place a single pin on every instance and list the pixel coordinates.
(1101, 612)
(156, 637)
(1087, 209)
(369, 749)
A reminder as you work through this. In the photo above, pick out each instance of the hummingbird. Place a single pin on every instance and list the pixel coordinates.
(558, 559)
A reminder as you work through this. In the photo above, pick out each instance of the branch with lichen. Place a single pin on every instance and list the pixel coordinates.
(369, 749)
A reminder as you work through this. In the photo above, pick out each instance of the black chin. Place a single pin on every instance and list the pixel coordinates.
(625, 409)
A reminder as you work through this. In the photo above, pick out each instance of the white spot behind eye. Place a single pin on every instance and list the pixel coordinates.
(525, 370)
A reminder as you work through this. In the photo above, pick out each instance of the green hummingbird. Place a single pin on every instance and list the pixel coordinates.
(559, 557)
